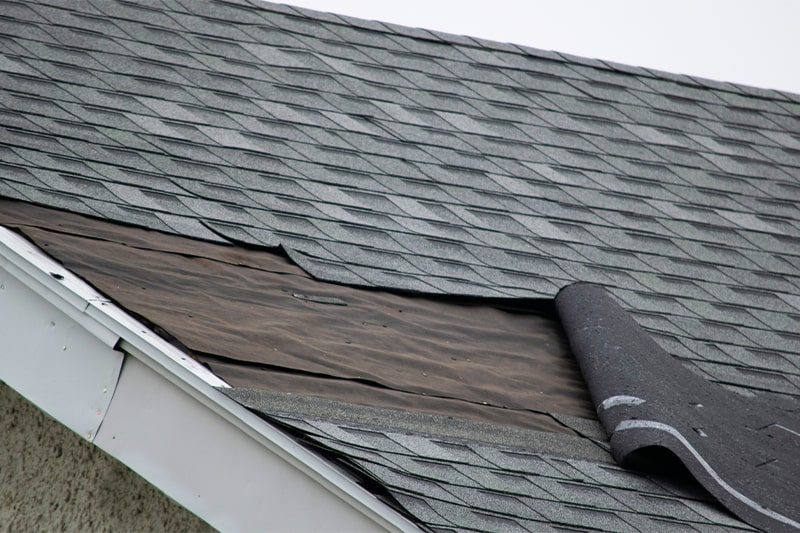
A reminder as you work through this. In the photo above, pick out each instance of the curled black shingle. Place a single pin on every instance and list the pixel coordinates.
(743, 450)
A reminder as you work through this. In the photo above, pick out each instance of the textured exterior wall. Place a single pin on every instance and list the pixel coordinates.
(51, 479)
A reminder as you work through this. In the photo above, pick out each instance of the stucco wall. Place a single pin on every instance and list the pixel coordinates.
(51, 479)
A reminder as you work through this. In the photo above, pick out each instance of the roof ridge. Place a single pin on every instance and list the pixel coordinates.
(566, 58)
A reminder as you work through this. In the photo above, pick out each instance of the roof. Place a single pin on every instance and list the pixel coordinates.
(384, 157)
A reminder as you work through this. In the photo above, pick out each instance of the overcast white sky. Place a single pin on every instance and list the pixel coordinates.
(756, 42)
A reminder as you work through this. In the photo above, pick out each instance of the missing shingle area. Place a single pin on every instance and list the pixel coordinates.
(503, 361)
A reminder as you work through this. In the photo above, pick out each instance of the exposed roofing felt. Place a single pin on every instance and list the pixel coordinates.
(404, 159)
(239, 311)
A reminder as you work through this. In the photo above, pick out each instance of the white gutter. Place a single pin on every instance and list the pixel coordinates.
(103, 374)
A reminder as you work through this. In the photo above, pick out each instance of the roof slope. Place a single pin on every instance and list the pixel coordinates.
(465, 461)
(379, 158)
(404, 159)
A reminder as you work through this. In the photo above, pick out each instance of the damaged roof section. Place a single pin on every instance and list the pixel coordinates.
(260, 322)
(444, 470)
(444, 457)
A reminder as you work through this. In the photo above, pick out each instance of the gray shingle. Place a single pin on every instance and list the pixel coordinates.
(421, 509)
(476, 521)
(580, 517)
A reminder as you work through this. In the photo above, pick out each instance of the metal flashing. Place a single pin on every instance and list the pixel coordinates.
(227, 465)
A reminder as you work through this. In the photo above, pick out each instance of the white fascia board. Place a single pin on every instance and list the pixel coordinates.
(234, 480)
(51, 359)
(163, 417)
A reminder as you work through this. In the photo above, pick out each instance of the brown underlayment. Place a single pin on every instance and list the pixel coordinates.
(259, 321)
(53, 480)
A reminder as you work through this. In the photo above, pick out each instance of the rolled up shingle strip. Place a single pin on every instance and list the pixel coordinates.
(744, 450)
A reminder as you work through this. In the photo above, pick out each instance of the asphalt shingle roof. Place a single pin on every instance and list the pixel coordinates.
(459, 476)
(490, 169)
